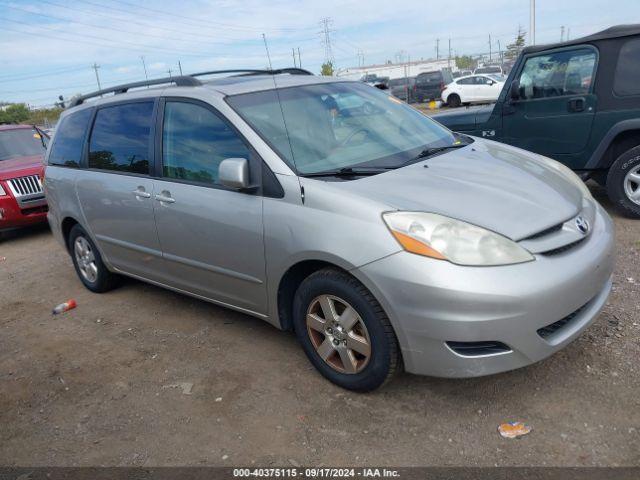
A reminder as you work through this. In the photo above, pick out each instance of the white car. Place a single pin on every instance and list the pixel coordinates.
(473, 89)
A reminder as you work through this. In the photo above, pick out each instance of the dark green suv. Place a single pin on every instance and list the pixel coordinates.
(577, 102)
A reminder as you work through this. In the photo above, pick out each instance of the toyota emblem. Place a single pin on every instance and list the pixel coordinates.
(582, 225)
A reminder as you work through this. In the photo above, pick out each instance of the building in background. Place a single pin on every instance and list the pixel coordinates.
(397, 70)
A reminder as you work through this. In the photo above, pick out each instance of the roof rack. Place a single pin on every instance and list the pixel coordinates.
(182, 81)
(245, 71)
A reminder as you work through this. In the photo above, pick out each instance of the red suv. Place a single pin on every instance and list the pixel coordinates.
(22, 200)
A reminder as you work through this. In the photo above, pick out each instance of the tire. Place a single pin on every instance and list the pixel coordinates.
(103, 280)
(623, 183)
(454, 100)
(349, 368)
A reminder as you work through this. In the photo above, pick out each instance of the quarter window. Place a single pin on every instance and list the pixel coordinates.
(626, 78)
(69, 138)
(562, 73)
(120, 138)
(195, 141)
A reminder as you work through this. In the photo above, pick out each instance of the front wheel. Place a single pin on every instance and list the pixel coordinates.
(345, 332)
(623, 182)
(454, 100)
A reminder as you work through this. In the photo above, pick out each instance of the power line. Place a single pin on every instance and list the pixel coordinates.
(209, 23)
(129, 21)
(12, 78)
(84, 36)
(93, 25)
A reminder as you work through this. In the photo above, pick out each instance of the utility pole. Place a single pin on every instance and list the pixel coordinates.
(449, 57)
(144, 65)
(264, 37)
(326, 39)
(180, 67)
(532, 22)
(562, 33)
(489, 47)
(299, 59)
(437, 49)
(293, 52)
(95, 67)
(500, 54)
(568, 30)
(169, 72)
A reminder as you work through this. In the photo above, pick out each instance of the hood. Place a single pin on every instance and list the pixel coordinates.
(489, 184)
(20, 166)
(464, 119)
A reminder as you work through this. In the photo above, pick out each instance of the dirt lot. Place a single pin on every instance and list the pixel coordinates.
(108, 384)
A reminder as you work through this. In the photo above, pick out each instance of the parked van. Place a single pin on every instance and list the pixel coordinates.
(327, 207)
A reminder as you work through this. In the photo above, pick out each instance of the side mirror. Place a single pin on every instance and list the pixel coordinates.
(234, 173)
(514, 90)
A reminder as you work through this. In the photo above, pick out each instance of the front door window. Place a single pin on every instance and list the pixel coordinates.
(569, 72)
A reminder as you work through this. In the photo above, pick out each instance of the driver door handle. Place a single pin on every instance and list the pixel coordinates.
(576, 105)
(165, 197)
(141, 193)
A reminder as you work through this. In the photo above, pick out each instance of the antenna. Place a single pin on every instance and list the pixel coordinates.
(95, 67)
(144, 65)
(264, 37)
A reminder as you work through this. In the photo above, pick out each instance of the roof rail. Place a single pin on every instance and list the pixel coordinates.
(246, 71)
(182, 81)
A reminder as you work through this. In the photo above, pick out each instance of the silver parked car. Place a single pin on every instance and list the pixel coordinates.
(330, 208)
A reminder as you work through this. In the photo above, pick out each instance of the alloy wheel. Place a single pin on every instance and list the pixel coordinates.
(338, 334)
(85, 259)
(632, 185)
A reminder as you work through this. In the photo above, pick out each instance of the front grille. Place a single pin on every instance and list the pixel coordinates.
(26, 186)
(478, 349)
(564, 248)
(549, 330)
(34, 210)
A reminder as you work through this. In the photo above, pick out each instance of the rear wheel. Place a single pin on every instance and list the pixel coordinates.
(623, 182)
(88, 263)
(454, 100)
(344, 331)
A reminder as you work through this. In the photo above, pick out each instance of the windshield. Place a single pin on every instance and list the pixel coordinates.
(497, 77)
(21, 142)
(339, 125)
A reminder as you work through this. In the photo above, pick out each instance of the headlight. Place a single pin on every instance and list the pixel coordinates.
(568, 174)
(444, 238)
(2, 192)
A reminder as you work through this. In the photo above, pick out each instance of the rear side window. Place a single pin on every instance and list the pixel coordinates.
(427, 78)
(195, 141)
(466, 81)
(627, 78)
(69, 138)
(120, 138)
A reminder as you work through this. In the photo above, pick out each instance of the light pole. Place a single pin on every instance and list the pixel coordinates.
(532, 22)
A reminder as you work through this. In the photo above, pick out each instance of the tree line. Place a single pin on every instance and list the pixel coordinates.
(20, 113)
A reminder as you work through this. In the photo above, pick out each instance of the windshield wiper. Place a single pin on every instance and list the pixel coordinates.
(349, 172)
(427, 152)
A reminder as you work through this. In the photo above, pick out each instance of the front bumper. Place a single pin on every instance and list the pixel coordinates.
(430, 302)
(12, 216)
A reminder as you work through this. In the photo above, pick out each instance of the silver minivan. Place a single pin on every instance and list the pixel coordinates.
(384, 240)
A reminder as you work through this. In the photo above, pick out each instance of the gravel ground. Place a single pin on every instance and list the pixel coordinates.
(143, 376)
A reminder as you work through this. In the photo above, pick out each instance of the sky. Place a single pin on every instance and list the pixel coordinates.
(48, 47)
